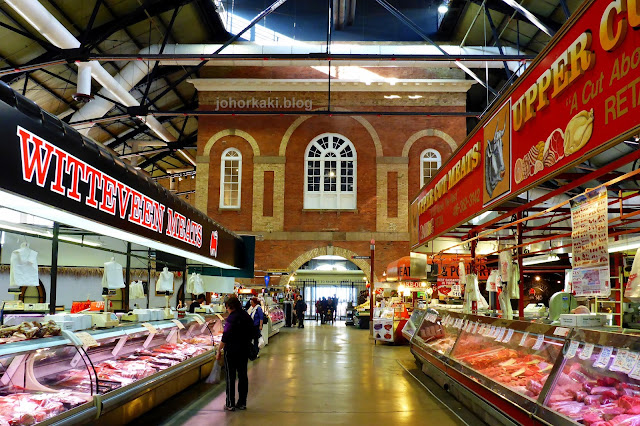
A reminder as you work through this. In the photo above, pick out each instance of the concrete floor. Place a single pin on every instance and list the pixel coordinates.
(329, 374)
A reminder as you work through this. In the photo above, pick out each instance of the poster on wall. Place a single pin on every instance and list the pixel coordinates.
(589, 237)
(497, 155)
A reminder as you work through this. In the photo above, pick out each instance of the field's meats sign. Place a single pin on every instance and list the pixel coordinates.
(580, 96)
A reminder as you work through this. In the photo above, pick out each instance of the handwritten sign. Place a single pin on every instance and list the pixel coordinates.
(524, 338)
(630, 363)
(587, 351)
(539, 342)
(573, 348)
(508, 337)
(178, 324)
(88, 341)
(149, 327)
(604, 357)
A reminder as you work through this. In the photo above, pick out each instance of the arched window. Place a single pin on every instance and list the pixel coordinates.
(330, 173)
(230, 179)
(430, 162)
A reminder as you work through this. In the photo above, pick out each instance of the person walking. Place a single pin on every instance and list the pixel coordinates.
(300, 307)
(255, 311)
(236, 338)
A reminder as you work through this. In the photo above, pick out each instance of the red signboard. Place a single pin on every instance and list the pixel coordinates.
(580, 96)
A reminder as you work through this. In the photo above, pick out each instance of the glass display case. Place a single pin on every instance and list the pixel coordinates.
(415, 320)
(437, 334)
(388, 323)
(598, 381)
(69, 377)
(276, 320)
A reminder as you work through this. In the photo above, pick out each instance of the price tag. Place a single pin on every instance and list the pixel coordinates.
(458, 323)
(178, 324)
(470, 326)
(492, 330)
(508, 337)
(501, 334)
(445, 320)
(151, 328)
(586, 351)
(480, 329)
(524, 338)
(561, 331)
(604, 357)
(632, 360)
(198, 319)
(475, 328)
(220, 317)
(87, 340)
(539, 342)
(620, 360)
(573, 348)
(635, 372)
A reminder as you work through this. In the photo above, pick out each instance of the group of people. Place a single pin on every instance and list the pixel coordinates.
(326, 308)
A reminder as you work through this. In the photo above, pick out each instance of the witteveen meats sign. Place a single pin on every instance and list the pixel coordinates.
(578, 98)
(51, 163)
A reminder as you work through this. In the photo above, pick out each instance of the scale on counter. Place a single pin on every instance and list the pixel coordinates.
(105, 319)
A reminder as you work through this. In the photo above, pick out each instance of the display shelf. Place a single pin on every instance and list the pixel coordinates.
(415, 320)
(437, 334)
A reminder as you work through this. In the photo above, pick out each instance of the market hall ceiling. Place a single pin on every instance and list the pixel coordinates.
(126, 27)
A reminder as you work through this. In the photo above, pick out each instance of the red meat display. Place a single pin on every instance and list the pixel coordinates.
(24, 409)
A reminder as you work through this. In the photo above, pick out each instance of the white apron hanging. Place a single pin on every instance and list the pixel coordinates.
(198, 285)
(632, 290)
(112, 277)
(24, 267)
(165, 281)
(136, 290)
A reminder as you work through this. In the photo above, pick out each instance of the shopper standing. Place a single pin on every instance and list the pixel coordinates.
(300, 308)
(236, 338)
(258, 320)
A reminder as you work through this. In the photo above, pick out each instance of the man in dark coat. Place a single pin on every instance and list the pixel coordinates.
(236, 337)
(300, 307)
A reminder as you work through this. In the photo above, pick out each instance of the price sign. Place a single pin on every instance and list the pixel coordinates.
(481, 328)
(475, 328)
(222, 319)
(198, 319)
(87, 340)
(178, 324)
(604, 357)
(539, 342)
(573, 348)
(524, 338)
(492, 330)
(586, 351)
(151, 328)
(632, 360)
(508, 337)
(635, 372)
(465, 324)
(561, 331)
(620, 360)
(458, 323)
(501, 334)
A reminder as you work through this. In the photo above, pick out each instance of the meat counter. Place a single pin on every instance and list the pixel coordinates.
(413, 323)
(532, 373)
(103, 376)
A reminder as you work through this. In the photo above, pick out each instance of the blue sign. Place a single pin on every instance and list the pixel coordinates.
(266, 280)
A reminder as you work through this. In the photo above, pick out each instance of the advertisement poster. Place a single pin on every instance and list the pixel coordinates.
(445, 286)
(497, 155)
(383, 329)
(578, 98)
(590, 236)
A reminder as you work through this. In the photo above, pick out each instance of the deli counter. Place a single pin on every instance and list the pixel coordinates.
(102, 376)
(532, 373)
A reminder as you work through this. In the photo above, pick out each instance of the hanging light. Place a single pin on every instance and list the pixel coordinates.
(443, 8)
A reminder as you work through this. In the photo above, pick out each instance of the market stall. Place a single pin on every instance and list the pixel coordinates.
(546, 182)
(98, 356)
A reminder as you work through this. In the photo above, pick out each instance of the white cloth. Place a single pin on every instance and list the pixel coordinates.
(198, 285)
(165, 281)
(506, 260)
(505, 305)
(112, 277)
(24, 268)
(513, 290)
(632, 291)
(136, 290)
(462, 274)
(472, 294)
(491, 281)
(190, 282)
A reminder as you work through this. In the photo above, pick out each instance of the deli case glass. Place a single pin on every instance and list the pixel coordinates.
(535, 373)
(89, 377)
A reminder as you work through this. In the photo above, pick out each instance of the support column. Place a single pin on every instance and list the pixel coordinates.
(521, 283)
(202, 183)
(127, 279)
(54, 269)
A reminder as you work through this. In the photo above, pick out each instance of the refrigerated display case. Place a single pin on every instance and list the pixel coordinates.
(275, 321)
(415, 320)
(388, 323)
(104, 376)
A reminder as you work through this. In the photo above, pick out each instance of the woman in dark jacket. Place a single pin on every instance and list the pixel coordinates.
(236, 337)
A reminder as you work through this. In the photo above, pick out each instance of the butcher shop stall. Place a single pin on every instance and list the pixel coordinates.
(541, 203)
(98, 267)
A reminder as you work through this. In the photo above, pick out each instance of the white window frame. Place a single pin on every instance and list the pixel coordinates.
(223, 159)
(423, 159)
(330, 200)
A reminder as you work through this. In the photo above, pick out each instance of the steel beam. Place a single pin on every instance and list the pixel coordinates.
(495, 36)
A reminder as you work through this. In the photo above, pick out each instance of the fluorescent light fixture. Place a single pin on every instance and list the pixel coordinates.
(471, 73)
(415, 96)
(535, 260)
(442, 9)
(624, 245)
(391, 97)
(530, 16)
(35, 208)
(48, 234)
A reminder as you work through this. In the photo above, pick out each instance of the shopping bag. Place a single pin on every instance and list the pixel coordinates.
(260, 342)
(214, 376)
(632, 291)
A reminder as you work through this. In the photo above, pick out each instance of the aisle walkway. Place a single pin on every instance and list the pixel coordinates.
(329, 375)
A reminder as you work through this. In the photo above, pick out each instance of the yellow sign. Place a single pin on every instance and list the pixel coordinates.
(277, 271)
